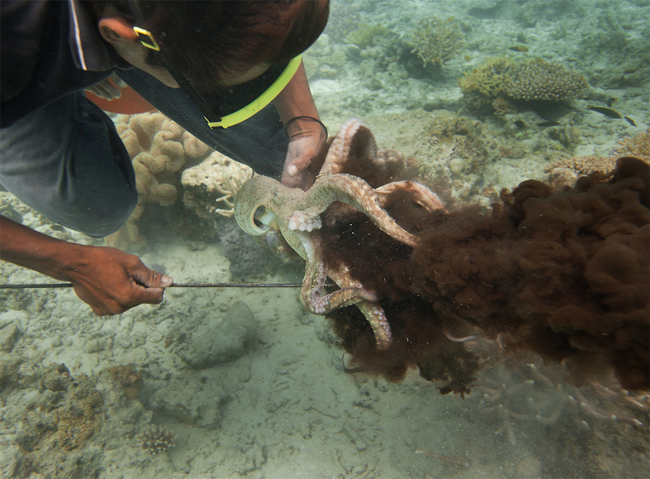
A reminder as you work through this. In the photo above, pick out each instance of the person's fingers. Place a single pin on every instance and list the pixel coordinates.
(151, 295)
(111, 91)
(118, 81)
(295, 171)
(101, 92)
(292, 181)
(150, 278)
(105, 90)
(298, 165)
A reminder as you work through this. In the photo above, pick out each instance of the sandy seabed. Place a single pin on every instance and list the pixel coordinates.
(277, 404)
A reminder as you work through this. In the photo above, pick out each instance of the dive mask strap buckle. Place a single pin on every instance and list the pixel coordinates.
(147, 38)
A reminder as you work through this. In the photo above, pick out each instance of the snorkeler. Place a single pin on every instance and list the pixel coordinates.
(213, 67)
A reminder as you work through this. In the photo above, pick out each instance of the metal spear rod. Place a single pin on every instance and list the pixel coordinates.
(174, 285)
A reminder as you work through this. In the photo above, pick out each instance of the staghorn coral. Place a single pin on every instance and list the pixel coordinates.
(502, 79)
(436, 41)
(160, 149)
(156, 439)
(211, 185)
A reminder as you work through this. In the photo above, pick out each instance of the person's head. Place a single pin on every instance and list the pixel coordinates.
(213, 43)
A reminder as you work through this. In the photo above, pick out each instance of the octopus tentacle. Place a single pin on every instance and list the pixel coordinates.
(422, 195)
(318, 303)
(353, 139)
(375, 315)
(356, 192)
(263, 203)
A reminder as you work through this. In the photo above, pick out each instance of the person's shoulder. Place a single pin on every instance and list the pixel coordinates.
(22, 31)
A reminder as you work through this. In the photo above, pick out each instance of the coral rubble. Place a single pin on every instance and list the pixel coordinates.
(57, 421)
(211, 185)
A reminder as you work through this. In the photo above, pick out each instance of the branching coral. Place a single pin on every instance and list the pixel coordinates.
(503, 79)
(436, 41)
(540, 80)
(488, 79)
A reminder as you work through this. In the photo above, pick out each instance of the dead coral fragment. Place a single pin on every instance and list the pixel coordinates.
(211, 185)
(156, 439)
(436, 41)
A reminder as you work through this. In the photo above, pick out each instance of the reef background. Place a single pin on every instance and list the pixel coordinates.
(260, 390)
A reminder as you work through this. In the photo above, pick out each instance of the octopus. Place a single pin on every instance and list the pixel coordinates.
(264, 204)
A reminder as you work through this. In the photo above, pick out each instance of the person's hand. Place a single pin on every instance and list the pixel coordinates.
(108, 88)
(112, 281)
(108, 279)
(303, 161)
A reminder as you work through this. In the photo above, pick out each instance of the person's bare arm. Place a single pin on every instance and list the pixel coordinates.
(306, 136)
(109, 280)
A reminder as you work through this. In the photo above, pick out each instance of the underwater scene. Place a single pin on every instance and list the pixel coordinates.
(483, 209)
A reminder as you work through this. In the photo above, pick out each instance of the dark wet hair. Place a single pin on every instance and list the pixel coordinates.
(208, 41)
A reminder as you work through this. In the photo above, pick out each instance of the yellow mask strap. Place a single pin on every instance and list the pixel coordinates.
(261, 101)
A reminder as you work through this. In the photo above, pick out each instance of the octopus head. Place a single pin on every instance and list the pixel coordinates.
(252, 202)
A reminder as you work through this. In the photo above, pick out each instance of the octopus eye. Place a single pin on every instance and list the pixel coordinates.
(261, 218)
